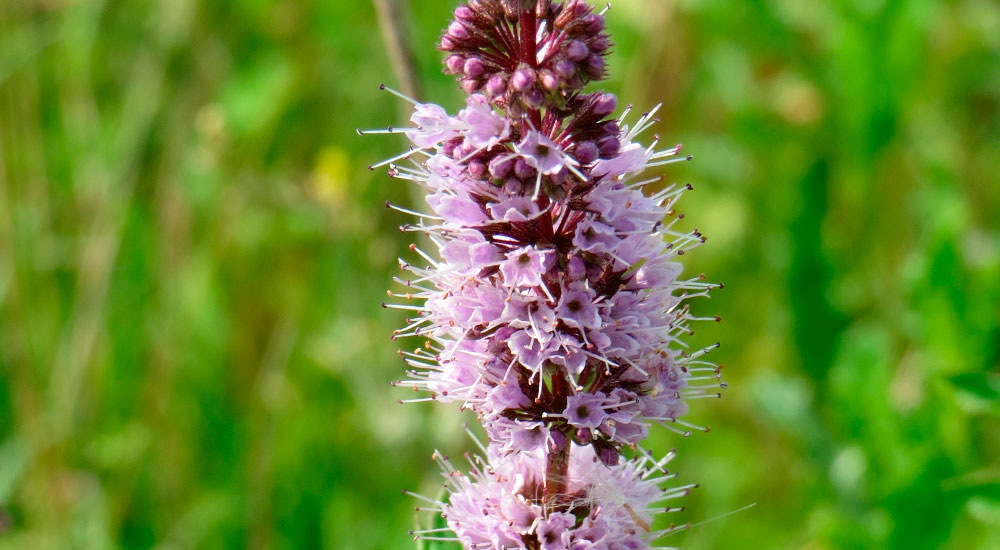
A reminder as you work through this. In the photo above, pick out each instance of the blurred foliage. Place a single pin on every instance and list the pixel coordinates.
(192, 254)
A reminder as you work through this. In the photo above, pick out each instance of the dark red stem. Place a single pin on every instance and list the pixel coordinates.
(527, 23)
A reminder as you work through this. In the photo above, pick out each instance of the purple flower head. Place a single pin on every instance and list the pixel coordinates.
(604, 507)
(551, 301)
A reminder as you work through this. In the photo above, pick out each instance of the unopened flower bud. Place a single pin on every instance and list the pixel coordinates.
(464, 13)
(609, 146)
(454, 63)
(523, 79)
(565, 68)
(533, 98)
(608, 455)
(600, 43)
(513, 186)
(473, 67)
(496, 86)
(586, 152)
(458, 31)
(594, 22)
(470, 85)
(558, 439)
(549, 80)
(523, 170)
(500, 167)
(605, 104)
(595, 65)
(476, 169)
(577, 50)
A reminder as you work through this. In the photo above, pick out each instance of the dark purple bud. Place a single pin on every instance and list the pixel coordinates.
(500, 167)
(595, 65)
(477, 169)
(594, 22)
(565, 68)
(584, 436)
(562, 177)
(608, 455)
(449, 146)
(558, 439)
(549, 80)
(464, 13)
(600, 43)
(523, 79)
(605, 104)
(454, 63)
(586, 152)
(457, 31)
(533, 98)
(610, 127)
(496, 86)
(513, 186)
(609, 146)
(470, 85)
(473, 67)
(523, 170)
(577, 50)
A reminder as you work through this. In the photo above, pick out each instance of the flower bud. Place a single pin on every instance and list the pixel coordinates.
(470, 85)
(533, 98)
(586, 152)
(458, 31)
(577, 50)
(549, 80)
(476, 169)
(607, 454)
(464, 13)
(565, 68)
(595, 66)
(523, 79)
(594, 23)
(473, 67)
(600, 43)
(605, 105)
(496, 86)
(609, 146)
(523, 170)
(500, 167)
(558, 439)
(454, 63)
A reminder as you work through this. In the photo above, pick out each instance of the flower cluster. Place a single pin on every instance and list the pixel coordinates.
(554, 306)
(526, 66)
(501, 503)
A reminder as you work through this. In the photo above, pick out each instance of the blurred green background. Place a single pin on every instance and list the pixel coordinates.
(192, 257)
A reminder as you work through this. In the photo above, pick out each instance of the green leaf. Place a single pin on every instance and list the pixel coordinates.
(984, 385)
